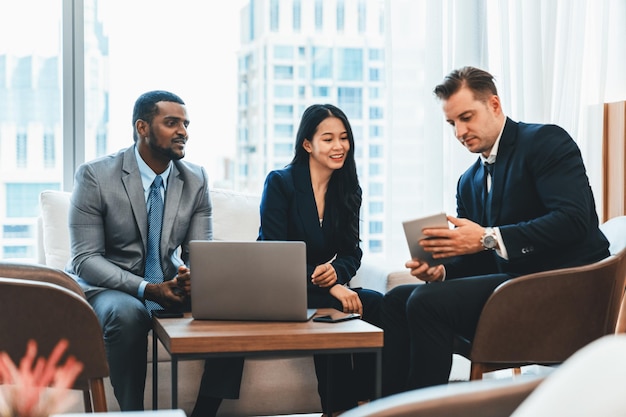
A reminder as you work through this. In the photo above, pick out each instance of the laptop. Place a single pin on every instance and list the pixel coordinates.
(257, 280)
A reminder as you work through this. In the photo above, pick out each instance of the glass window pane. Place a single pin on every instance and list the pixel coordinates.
(350, 101)
(30, 118)
(350, 64)
(322, 63)
(23, 197)
(297, 15)
(283, 72)
(376, 207)
(321, 91)
(283, 52)
(319, 12)
(125, 57)
(283, 130)
(283, 111)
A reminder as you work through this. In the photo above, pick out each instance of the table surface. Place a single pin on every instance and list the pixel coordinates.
(187, 336)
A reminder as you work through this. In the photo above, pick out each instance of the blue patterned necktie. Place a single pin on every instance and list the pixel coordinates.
(154, 272)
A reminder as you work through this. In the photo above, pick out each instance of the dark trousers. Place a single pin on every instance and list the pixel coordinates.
(125, 325)
(420, 323)
(352, 375)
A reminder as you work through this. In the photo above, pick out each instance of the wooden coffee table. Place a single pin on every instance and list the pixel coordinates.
(186, 338)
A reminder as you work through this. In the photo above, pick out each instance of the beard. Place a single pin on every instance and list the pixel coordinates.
(167, 152)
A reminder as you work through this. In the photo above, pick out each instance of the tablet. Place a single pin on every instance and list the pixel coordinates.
(413, 232)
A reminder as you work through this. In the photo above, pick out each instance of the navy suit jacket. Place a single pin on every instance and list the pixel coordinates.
(289, 212)
(541, 201)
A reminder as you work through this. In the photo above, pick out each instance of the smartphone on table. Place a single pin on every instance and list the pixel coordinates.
(336, 317)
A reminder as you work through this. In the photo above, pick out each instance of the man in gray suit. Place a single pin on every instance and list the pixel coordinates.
(109, 234)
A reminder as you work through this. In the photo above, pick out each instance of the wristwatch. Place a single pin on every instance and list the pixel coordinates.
(489, 240)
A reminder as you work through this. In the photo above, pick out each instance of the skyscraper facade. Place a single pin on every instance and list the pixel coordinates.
(31, 128)
(295, 53)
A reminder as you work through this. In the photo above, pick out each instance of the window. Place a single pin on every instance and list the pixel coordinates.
(376, 54)
(30, 118)
(274, 15)
(362, 17)
(322, 63)
(282, 150)
(20, 231)
(283, 52)
(319, 15)
(376, 169)
(321, 91)
(283, 111)
(21, 150)
(48, 150)
(376, 74)
(376, 207)
(341, 10)
(376, 112)
(283, 72)
(18, 252)
(376, 151)
(37, 147)
(350, 64)
(297, 15)
(376, 131)
(283, 130)
(23, 198)
(375, 245)
(350, 100)
(376, 226)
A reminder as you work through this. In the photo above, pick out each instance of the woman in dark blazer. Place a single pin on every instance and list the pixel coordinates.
(316, 199)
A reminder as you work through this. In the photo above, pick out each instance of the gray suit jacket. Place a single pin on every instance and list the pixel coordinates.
(108, 221)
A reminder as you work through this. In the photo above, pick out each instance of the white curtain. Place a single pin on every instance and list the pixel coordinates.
(555, 61)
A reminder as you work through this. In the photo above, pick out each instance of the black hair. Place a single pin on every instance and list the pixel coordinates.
(344, 183)
(146, 106)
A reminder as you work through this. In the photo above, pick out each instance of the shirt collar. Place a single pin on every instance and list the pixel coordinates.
(491, 159)
(148, 175)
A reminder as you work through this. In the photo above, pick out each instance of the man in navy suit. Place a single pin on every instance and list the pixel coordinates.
(534, 212)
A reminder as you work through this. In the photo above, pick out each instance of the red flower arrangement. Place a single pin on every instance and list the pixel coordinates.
(38, 387)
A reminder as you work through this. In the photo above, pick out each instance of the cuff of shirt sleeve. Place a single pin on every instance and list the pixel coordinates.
(501, 249)
(142, 289)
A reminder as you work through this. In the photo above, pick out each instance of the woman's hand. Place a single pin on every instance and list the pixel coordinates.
(324, 275)
(349, 299)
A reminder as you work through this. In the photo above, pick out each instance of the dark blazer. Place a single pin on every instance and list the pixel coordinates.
(289, 212)
(108, 221)
(541, 202)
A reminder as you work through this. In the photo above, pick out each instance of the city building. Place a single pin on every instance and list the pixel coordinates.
(295, 53)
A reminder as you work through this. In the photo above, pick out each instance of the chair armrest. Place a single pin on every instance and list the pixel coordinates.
(545, 317)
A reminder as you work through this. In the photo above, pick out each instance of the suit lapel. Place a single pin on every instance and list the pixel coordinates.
(172, 202)
(131, 178)
(505, 153)
(305, 201)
